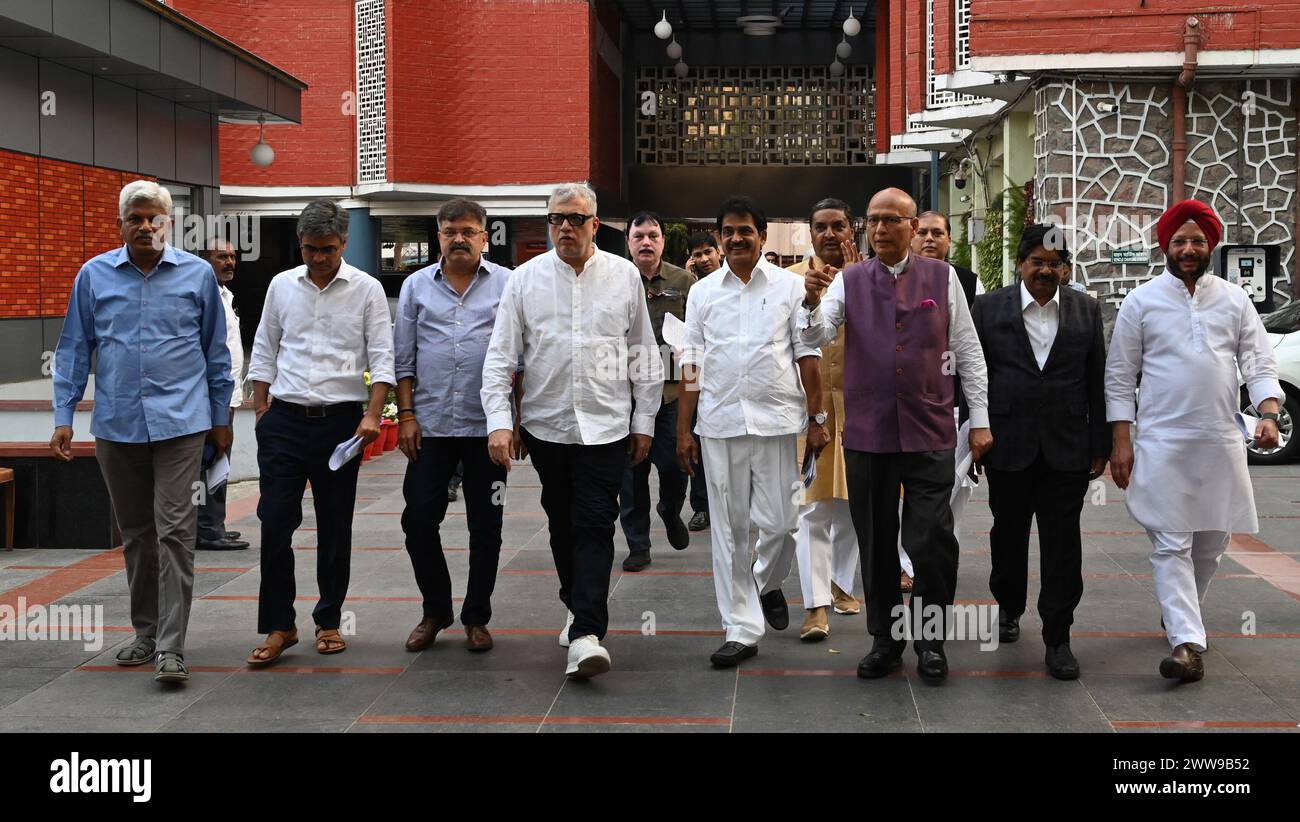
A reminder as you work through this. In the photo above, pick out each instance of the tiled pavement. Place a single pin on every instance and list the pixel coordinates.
(661, 679)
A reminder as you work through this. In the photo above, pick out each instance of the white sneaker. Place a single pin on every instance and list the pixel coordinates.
(587, 658)
(564, 632)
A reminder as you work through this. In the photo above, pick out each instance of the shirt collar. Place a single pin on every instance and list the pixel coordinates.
(900, 268)
(759, 271)
(482, 268)
(1201, 281)
(344, 273)
(168, 256)
(1026, 298)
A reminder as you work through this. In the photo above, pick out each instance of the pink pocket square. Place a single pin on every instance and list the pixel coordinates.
(928, 304)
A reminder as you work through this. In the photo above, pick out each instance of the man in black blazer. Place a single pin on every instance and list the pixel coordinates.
(1046, 361)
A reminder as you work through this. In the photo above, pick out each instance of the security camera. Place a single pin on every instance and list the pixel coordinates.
(962, 173)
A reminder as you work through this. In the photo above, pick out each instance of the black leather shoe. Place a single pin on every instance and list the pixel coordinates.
(732, 654)
(452, 495)
(1061, 662)
(636, 562)
(232, 534)
(1008, 628)
(932, 666)
(678, 536)
(775, 611)
(884, 657)
(221, 545)
(700, 521)
(1185, 664)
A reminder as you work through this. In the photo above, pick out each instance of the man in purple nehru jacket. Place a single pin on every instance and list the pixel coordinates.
(908, 329)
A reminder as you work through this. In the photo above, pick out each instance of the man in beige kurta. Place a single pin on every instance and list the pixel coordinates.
(826, 545)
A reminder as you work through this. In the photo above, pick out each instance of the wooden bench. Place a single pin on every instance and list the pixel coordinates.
(50, 503)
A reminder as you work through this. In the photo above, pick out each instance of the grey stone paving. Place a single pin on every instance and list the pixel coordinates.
(661, 680)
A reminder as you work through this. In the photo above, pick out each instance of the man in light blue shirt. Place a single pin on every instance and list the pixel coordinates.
(445, 317)
(154, 316)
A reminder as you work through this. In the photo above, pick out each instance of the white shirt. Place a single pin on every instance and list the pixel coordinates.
(314, 345)
(1041, 322)
(1189, 460)
(821, 324)
(588, 351)
(745, 340)
(235, 343)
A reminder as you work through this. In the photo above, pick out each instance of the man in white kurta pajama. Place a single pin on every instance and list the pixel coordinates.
(1185, 333)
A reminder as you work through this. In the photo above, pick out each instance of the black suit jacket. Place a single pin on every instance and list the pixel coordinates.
(1059, 410)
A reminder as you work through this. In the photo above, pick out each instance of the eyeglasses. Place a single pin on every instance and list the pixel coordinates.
(467, 233)
(1050, 265)
(576, 220)
(890, 221)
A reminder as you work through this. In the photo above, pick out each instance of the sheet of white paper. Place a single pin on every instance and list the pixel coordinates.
(962, 455)
(674, 332)
(345, 453)
(809, 469)
(217, 473)
(1246, 424)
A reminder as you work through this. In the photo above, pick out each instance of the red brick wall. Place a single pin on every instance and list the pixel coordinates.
(944, 37)
(489, 93)
(314, 40)
(884, 81)
(897, 67)
(915, 55)
(54, 216)
(1004, 27)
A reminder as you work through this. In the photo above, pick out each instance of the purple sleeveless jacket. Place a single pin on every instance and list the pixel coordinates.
(897, 396)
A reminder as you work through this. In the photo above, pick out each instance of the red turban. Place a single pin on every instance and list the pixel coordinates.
(1180, 213)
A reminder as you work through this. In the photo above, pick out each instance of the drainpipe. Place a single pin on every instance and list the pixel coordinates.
(1191, 43)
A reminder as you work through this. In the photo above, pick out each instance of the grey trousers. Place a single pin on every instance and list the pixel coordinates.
(152, 486)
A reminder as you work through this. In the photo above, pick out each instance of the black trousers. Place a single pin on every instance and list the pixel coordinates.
(580, 486)
(927, 478)
(292, 450)
(634, 498)
(425, 493)
(1055, 499)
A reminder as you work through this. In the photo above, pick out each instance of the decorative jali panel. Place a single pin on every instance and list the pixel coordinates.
(372, 152)
(1267, 168)
(755, 115)
(1101, 153)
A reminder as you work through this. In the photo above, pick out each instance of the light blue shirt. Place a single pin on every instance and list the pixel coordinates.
(442, 338)
(163, 369)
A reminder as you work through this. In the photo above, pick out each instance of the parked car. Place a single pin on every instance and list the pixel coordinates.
(1283, 327)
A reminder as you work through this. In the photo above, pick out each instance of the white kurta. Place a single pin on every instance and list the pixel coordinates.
(1189, 460)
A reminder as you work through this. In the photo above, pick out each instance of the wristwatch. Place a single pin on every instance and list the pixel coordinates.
(819, 418)
(1268, 415)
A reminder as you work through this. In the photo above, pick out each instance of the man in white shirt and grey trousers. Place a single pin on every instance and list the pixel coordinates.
(756, 385)
(324, 324)
(577, 316)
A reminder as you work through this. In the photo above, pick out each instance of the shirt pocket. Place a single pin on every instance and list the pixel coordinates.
(177, 316)
(609, 319)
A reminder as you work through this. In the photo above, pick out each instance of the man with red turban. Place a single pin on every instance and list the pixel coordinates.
(1186, 332)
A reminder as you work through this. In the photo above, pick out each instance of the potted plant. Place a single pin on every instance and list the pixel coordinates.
(388, 423)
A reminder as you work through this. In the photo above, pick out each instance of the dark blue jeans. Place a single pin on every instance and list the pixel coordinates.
(634, 498)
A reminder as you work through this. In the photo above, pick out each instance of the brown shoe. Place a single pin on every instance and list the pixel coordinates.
(814, 627)
(426, 632)
(477, 638)
(1183, 664)
(905, 583)
(844, 603)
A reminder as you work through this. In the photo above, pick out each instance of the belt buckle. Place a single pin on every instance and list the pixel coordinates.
(316, 412)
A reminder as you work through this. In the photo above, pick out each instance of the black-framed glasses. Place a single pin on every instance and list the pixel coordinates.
(574, 219)
(467, 233)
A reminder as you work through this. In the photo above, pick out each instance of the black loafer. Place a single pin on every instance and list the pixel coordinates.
(884, 657)
(1008, 628)
(775, 611)
(700, 521)
(636, 562)
(1061, 662)
(732, 654)
(221, 545)
(932, 666)
(233, 534)
(678, 536)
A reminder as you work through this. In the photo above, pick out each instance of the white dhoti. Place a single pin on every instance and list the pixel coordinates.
(1182, 565)
(753, 482)
(827, 549)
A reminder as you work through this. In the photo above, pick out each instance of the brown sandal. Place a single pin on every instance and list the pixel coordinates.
(905, 584)
(276, 642)
(327, 639)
